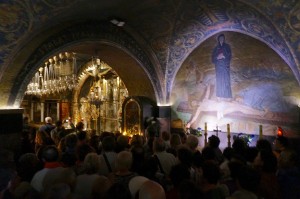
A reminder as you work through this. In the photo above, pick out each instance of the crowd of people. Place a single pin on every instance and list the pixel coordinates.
(54, 163)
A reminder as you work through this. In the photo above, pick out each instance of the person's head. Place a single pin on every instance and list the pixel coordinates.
(208, 153)
(124, 161)
(122, 142)
(192, 142)
(281, 143)
(82, 136)
(138, 159)
(50, 154)
(104, 134)
(138, 153)
(82, 150)
(213, 141)
(179, 173)
(41, 137)
(183, 137)
(58, 123)
(287, 159)
(151, 190)
(58, 191)
(25, 120)
(7, 158)
(159, 145)
(251, 153)
(165, 136)
(239, 146)
(221, 39)
(48, 120)
(263, 144)
(136, 140)
(79, 126)
(234, 167)
(95, 142)
(108, 144)
(266, 160)
(135, 184)
(91, 163)
(185, 156)
(71, 140)
(227, 153)
(151, 131)
(175, 140)
(69, 159)
(28, 165)
(211, 172)
(248, 178)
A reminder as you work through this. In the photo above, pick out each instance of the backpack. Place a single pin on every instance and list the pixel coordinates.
(122, 182)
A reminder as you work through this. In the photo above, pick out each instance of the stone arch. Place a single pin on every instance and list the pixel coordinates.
(97, 31)
(189, 33)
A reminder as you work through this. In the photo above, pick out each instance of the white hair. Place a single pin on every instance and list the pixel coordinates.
(48, 119)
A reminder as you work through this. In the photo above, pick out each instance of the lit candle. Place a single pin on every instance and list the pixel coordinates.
(260, 131)
(228, 129)
(104, 88)
(205, 134)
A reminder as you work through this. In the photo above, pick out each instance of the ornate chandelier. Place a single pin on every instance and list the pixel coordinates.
(90, 105)
(58, 75)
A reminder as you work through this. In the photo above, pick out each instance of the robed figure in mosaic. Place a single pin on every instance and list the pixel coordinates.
(221, 57)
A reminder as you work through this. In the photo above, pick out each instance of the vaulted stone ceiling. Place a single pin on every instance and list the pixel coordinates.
(158, 34)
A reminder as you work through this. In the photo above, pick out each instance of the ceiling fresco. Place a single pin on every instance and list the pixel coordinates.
(168, 31)
(19, 19)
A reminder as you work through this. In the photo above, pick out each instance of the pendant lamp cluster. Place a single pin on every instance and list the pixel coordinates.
(56, 76)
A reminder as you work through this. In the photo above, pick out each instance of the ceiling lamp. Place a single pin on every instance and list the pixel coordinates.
(97, 69)
(117, 22)
(58, 75)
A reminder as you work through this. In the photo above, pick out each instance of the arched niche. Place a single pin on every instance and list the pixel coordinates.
(200, 20)
(264, 89)
(118, 49)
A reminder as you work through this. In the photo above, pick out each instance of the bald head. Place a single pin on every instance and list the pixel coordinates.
(124, 160)
(151, 190)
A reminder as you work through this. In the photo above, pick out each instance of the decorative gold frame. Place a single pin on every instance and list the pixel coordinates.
(132, 122)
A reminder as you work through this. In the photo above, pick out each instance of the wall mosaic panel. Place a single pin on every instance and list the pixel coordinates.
(193, 26)
(264, 89)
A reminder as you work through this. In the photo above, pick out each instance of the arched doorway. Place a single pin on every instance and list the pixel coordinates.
(129, 64)
(94, 95)
(116, 47)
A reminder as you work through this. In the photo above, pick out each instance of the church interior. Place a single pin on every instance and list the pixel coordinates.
(81, 60)
(226, 68)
